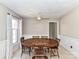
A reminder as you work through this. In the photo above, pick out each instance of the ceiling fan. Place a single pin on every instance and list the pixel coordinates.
(39, 17)
(42, 18)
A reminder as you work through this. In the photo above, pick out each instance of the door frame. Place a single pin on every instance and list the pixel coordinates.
(57, 27)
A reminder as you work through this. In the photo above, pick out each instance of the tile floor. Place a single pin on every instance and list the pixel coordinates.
(64, 54)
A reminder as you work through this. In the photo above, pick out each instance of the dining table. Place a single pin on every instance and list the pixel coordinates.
(40, 42)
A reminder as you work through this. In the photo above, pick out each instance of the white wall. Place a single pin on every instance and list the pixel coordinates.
(35, 27)
(3, 30)
(69, 24)
(69, 31)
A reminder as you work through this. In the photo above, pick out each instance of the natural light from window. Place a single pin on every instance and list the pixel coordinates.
(14, 30)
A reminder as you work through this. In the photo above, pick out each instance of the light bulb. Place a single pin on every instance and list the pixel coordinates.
(38, 18)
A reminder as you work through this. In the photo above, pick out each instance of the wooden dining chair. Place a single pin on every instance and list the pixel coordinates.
(55, 49)
(39, 53)
(35, 36)
(58, 39)
(23, 47)
(44, 36)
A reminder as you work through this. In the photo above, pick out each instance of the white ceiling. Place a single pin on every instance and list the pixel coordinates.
(44, 8)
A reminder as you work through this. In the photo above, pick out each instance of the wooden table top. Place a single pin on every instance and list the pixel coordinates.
(40, 42)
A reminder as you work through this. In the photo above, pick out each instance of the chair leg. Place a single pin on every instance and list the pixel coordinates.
(29, 50)
(48, 49)
(21, 53)
(23, 49)
(58, 53)
(53, 53)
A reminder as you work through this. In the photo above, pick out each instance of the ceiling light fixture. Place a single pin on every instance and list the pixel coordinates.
(39, 18)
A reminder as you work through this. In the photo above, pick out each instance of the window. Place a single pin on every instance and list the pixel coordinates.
(14, 30)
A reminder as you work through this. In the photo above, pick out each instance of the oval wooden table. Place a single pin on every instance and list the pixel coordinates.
(40, 42)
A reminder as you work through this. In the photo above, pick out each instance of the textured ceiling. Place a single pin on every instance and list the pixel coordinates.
(44, 8)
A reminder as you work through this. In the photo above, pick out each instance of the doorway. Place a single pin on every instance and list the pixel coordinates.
(52, 29)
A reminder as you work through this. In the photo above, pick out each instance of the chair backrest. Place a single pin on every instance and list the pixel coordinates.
(58, 39)
(44, 36)
(22, 39)
(35, 36)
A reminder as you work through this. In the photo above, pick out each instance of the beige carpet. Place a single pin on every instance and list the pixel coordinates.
(64, 54)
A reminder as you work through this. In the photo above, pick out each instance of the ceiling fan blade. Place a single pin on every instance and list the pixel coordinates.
(45, 18)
